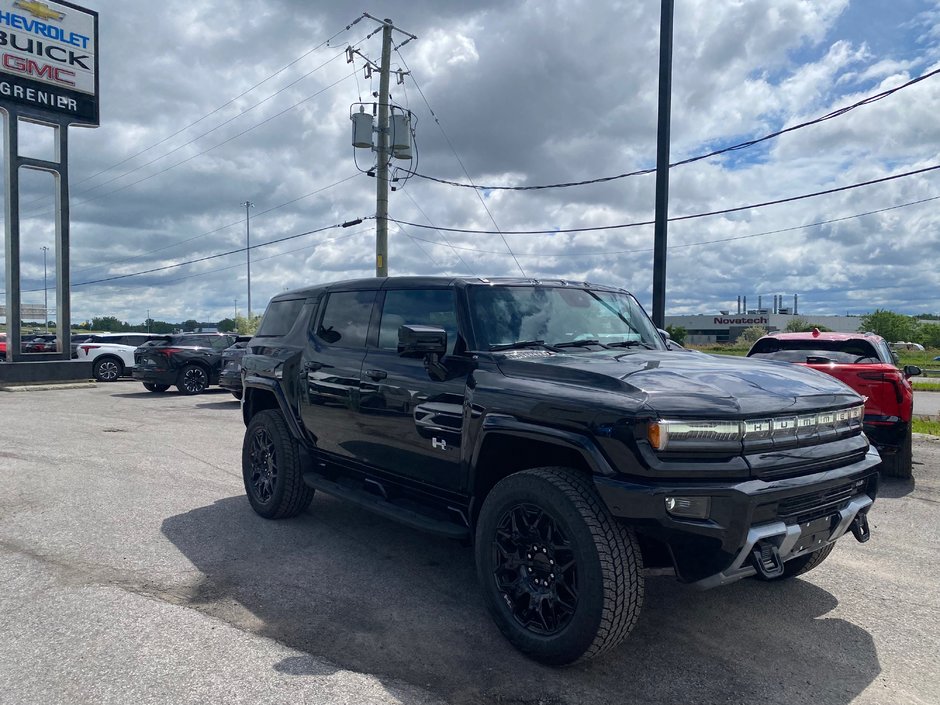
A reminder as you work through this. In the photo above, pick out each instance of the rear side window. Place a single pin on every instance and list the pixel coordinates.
(279, 317)
(345, 320)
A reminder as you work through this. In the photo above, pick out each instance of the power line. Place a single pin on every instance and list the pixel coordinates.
(219, 229)
(723, 211)
(326, 42)
(459, 160)
(208, 257)
(741, 145)
(443, 236)
(701, 242)
(206, 151)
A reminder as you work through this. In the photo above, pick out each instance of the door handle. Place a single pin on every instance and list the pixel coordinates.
(312, 366)
(376, 374)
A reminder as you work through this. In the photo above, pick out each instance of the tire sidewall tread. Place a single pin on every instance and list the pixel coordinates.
(291, 495)
(610, 583)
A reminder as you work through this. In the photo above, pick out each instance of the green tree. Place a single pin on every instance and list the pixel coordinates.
(247, 326)
(801, 325)
(930, 335)
(677, 333)
(226, 325)
(893, 327)
(750, 336)
(190, 325)
(108, 323)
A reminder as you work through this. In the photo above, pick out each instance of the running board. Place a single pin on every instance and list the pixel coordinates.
(386, 508)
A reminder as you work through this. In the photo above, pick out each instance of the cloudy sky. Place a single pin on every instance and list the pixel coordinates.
(207, 104)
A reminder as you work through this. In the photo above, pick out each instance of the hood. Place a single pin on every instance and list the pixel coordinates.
(686, 384)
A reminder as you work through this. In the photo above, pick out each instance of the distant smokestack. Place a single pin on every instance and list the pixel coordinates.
(795, 299)
(739, 304)
(760, 302)
(744, 299)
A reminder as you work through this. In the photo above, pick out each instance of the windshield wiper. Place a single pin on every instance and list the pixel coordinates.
(578, 344)
(520, 344)
(631, 344)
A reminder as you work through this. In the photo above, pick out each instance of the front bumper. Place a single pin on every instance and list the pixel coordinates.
(789, 516)
(232, 381)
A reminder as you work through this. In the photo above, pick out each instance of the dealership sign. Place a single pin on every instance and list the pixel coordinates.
(49, 58)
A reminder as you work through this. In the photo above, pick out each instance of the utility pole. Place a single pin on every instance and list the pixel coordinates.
(662, 164)
(45, 291)
(381, 172)
(248, 204)
(235, 301)
(148, 320)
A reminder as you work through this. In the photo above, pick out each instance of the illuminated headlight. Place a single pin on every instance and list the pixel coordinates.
(692, 434)
(713, 435)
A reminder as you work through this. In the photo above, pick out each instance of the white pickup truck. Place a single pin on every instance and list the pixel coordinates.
(112, 354)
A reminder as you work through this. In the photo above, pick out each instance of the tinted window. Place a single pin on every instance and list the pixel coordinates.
(427, 307)
(345, 321)
(279, 317)
(507, 314)
(844, 351)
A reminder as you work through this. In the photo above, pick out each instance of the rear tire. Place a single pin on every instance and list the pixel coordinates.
(900, 464)
(107, 369)
(802, 564)
(193, 379)
(271, 468)
(560, 576)
(157, 388)
(237, 395)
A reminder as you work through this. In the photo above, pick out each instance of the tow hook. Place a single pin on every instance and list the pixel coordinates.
(766, 560)
(859, 527)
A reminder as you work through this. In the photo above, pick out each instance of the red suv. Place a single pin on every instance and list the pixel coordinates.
(865, 363)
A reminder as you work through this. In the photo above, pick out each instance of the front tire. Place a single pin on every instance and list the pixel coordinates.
(900, 464)
(156, 388)
(107, 369)
(192, 379)
(271, 468)
(560, 576)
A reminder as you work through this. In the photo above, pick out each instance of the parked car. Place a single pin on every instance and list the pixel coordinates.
(112, 354)
(3, 347)
(865, 363)
(75, 339)
(191, 361)
(230, 377)
(38, 343)
(548, 424)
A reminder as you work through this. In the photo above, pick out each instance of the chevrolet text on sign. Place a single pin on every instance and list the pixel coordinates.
(49, 58)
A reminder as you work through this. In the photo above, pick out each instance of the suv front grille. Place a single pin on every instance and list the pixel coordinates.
(816, 505)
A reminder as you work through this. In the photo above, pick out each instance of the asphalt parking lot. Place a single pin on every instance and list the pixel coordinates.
(132, 570)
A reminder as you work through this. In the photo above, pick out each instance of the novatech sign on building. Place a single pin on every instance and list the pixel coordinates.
(49, 58)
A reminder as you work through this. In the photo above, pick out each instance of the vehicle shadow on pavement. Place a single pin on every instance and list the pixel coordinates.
(894, 488)
(365, 594)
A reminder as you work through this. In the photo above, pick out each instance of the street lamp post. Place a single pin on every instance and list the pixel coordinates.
(248, 204)
(45, 291)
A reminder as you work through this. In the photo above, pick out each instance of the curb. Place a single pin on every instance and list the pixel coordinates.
(47, 386)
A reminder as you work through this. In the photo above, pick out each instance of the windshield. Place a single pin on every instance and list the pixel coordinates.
(503, 315)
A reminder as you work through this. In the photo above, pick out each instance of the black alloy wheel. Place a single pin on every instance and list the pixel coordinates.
(561, 577)
(193, 379)
(271, 468)
(535, 569)
(107, 369)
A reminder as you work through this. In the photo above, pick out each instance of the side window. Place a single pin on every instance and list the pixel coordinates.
(279, 317)
(345, 320)
(134, 340)
(219, 342)
(427, 307)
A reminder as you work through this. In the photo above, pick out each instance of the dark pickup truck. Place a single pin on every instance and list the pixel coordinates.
(547, 423)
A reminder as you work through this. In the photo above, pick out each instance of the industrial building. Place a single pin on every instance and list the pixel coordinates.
(727, 327)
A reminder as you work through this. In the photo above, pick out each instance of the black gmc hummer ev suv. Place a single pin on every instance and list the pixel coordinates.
(547, 423)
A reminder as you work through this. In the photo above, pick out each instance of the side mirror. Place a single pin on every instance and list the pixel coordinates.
(422, 340)
(912, 371)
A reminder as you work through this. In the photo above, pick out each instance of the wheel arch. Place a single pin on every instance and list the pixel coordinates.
(508, 446)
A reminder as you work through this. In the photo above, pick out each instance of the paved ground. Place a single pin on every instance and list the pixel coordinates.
(132, 570)
(927, 403)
